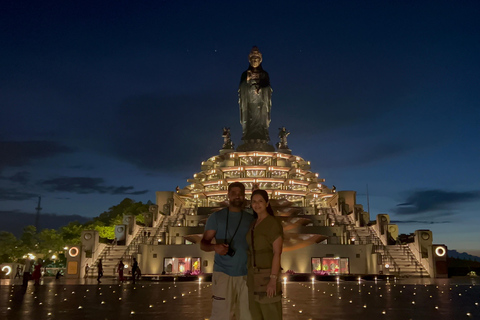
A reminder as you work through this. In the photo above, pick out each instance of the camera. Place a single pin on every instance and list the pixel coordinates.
(231, 252)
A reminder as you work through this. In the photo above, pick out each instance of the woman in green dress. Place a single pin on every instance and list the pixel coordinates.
(265, 240)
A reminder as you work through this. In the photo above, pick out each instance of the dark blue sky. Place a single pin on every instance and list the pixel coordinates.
(111, 99)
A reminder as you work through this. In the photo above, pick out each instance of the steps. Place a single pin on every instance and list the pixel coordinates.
(401, 260)
(110, 263)
(405, 262)
(112, 255)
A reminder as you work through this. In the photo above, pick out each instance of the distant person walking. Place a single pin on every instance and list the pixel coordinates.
(120, 268)
(37, 273)
(134, 269)
(99, 270)
(87, 268)
(58, 275)
(19, 271)
(26, 271)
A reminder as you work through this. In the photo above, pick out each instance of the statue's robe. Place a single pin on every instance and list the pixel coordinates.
(255, 100)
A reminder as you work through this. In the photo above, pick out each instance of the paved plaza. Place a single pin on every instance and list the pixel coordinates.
(456, 298)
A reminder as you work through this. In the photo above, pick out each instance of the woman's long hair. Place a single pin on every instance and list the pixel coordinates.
(264, 195)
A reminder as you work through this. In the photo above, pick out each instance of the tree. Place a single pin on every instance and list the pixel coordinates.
(29, 238)
(50, 241)
(107, 231)
(11, 249)
(126, 207)
(113, 212)
(72, 232)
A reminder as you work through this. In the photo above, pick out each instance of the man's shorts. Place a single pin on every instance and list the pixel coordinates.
(229, 297)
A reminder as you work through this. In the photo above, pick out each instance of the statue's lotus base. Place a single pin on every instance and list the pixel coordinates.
(255, 145)
(224, 151)
(288, 151)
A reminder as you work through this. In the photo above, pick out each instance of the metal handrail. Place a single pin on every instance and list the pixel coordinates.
(408, 250)
(102, 255)
(132, 244)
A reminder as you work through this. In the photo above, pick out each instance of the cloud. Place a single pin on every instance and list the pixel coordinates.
(126, 190)
(81, 167)
(21, 177)
(167, 132)
(15, 220)
(163, 133)
(21, 153)
(85, 185)
(427, 201)
(381, 151)
(374, 153)
(16, 195)
(350, 154)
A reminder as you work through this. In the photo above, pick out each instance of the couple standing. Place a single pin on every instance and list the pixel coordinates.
(245, 244)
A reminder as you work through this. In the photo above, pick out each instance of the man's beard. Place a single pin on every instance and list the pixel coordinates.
(238, 203)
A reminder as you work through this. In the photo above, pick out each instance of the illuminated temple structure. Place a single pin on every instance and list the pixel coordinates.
(326, 231)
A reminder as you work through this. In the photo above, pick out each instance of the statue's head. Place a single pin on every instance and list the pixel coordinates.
(255, 57)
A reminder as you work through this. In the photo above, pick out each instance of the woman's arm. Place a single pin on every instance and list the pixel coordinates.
(275, 273)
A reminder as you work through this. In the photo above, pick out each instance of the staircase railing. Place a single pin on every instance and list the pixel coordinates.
(103, 255)
(133, 246)
(418, 265)
(381, 248)
(388, 258)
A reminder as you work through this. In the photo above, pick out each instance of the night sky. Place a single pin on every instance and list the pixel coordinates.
(111, 99)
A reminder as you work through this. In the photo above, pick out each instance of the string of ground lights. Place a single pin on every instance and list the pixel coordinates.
(414, 301)
(59, 302)
(191, 300)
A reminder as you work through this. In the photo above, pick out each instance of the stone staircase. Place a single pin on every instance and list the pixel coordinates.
(400, 258)
(112, 254)
(406, 264)
(144, 238)
(363, 235)
(110, 263)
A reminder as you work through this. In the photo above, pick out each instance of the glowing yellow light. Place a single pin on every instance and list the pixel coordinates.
(440, 251)
(73, 252)
(7, 270)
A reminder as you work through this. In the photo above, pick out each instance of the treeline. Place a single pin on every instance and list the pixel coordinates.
(50, 242)
(462, 267)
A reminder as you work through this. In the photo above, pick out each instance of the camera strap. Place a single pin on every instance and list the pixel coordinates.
(238, 226)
